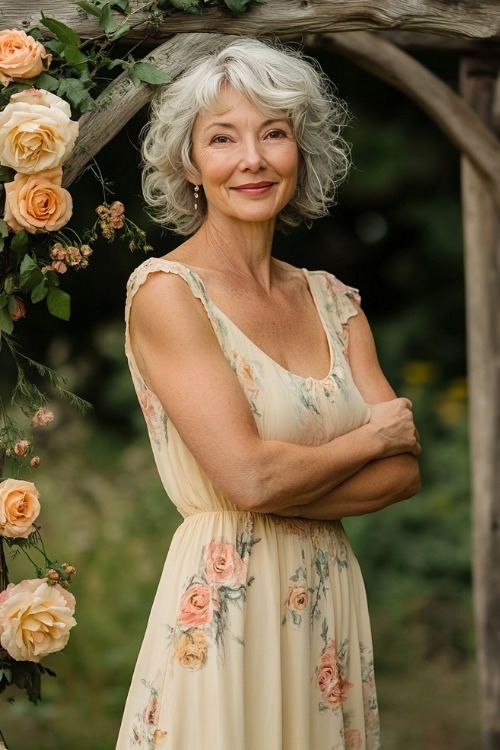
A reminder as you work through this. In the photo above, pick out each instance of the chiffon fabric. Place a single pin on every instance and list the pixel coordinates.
(259, 636)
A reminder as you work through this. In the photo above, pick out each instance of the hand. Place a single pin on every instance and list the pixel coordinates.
(395, 428)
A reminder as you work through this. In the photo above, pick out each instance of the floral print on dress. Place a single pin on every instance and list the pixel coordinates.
(330, 673)
(144, 730)
(328, 548)
(156, 422)
(249, 373)
(208, 598)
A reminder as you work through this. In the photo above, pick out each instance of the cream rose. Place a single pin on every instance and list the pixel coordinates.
(36, 132)
(19, 508)
(36, 202)
(297, 596)
(21, 56)
(35, 619)
(191, 651)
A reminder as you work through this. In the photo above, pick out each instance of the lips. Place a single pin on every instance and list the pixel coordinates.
(253, 187)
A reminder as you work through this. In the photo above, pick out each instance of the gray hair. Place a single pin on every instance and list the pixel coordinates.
(278, 81)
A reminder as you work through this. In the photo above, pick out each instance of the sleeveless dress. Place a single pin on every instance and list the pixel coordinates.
(259, 636)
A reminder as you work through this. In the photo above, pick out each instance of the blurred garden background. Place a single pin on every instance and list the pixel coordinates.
(396, 235)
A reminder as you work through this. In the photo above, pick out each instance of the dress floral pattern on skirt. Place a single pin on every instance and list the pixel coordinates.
(205, 607)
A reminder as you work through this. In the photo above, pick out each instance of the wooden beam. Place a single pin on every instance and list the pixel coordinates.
(475, 19)
(451, 113)
(482, 274)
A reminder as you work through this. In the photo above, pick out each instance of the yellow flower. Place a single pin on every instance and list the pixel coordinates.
(21, 56)
(19, 508)
(191, 651)
(35, 619)
(36, 131)
(35, 202)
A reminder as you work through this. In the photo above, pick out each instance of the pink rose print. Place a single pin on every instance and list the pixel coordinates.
(332, 684)
(197, 605)
(224, 565)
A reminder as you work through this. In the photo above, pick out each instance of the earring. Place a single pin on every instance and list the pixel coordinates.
(196, 191)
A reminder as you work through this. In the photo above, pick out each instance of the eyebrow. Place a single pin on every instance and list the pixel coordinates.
(266, 123)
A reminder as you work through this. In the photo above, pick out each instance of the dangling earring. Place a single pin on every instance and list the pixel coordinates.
(196, 191)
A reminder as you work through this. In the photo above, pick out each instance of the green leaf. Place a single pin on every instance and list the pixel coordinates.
(6, 174)
(121, 31)
(46, 81)
(150, 73)
(6, 322)
(123, 5)
(238, 6)
(59, 303)
(89, 8)
(75, 57)
(107, 22)
(61, 31)
(76, 93)
(190, 6)
(8, 286)
(30, 274)
(20, 242)
(39, 292)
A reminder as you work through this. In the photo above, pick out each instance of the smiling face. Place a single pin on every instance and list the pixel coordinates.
(247, 161)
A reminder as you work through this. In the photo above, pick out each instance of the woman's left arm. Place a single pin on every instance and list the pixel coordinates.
(381, 482)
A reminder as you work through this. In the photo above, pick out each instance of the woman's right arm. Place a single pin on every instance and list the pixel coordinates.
(181, 361)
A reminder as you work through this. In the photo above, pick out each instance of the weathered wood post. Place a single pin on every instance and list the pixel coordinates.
(482, 269)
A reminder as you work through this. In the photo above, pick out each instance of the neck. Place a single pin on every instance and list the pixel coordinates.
(241, 248)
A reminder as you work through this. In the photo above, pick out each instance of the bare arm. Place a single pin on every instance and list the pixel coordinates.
(171, 336)
(378, 483)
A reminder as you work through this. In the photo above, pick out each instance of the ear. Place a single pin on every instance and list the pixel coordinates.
(193, 178)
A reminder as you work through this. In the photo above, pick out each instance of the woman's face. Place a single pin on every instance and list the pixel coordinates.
(247, 161)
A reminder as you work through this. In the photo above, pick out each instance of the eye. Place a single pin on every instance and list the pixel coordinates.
(220, 139)
(276, 134)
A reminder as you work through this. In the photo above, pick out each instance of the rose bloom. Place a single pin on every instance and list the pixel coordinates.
(21, 447)
(117, 214)
(35, 619)
(19, 508)
(197, 605)
(36, 131)
(191, 651)
(21, 56)
(42, 418)
(34, 202)
(330, 681)
(20, 310)
(297, 596)
(224, 565)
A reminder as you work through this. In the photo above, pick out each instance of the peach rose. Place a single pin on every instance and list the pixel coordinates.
(197, 605)
(36, 132)
(191, 651)
(42, 418)
(330, 681)
(36, 202)
(19, 508)
(35, 619)
(21, 56)
(224, 565)
(297, 596)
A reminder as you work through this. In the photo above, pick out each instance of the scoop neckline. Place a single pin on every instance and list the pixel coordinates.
(305, 271)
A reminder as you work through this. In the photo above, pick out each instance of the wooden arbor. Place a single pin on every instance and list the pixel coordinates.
(470, 121)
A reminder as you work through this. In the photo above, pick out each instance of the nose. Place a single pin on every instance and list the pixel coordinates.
(252, 157)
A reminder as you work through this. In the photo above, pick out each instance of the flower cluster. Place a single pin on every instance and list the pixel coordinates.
(36, 615)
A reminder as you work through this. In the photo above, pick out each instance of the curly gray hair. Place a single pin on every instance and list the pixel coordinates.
(278, 81)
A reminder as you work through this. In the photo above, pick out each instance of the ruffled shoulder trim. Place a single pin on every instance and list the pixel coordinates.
(337, 296)
(154, 265)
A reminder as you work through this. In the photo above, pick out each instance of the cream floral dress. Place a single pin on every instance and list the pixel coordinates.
(259, 637)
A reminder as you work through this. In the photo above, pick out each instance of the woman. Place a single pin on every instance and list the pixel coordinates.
(269, 419)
